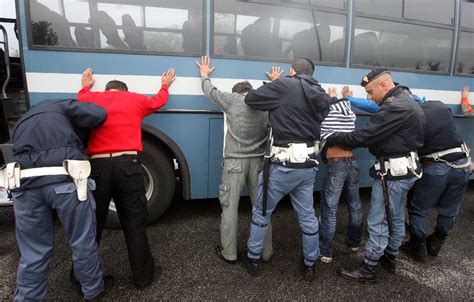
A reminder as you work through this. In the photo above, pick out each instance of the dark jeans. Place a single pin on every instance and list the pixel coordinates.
(121, 178)
(341, 178)
(441, 188)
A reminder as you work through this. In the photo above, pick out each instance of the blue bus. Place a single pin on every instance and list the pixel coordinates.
(429, 50)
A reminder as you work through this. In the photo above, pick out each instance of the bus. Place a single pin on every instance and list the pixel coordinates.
(428, 45)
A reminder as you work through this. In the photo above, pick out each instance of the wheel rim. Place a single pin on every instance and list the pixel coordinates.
(149, 187)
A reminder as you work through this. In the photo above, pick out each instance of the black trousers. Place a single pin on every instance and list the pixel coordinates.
(121, 178)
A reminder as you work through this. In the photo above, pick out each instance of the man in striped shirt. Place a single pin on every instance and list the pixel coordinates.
(342, 177)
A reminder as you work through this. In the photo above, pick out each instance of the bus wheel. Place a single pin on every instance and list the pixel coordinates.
(160, 182)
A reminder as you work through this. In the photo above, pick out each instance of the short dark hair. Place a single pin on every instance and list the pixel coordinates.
(242, 87)
(116, 85)
(303, 66)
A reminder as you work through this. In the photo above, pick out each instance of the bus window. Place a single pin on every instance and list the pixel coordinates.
(341, 4)
(465, 56)
(467, 14)
(402, 44)
(275, 32)
(156, 26)
(440, 11)
(391, 8)
(7, 10)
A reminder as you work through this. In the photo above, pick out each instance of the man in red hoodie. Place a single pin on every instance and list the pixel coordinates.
(116, 167)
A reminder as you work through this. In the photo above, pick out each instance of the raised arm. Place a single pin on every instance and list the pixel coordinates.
(466, 108)
(150, 105)
(213, 94)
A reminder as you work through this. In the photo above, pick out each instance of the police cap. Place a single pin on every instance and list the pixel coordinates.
(372, 75)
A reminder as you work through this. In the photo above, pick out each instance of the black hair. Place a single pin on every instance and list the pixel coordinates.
(303, 66)
(116, 85)
(242, 87)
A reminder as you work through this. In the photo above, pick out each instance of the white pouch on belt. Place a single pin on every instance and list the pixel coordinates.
(79, 170)
(298, 153)
(398, 166)
(11, 176)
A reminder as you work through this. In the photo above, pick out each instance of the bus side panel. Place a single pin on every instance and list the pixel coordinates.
(191, 134)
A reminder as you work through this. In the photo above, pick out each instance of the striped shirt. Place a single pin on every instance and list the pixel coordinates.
(341, 118)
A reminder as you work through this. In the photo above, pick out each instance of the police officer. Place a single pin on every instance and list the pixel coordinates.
(47, 135)
(297, 105)
(393, 134)
(445, 160)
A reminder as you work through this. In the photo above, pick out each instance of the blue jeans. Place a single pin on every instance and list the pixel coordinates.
(341, 178)
(298, 183)
(379, 239)
(35, 237)
(441, 188)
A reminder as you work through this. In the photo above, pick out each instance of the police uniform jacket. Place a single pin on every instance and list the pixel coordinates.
(440, 132)
(49, 133)
(297, 105)
(393, 131)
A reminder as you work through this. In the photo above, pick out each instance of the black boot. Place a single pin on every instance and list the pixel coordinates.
(252, 266)
(434, 242)
(308, 273)
(416, 248)
(389, 262)
(364, 273)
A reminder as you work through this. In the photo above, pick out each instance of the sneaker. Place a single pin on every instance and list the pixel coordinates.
(354, 249)
(218, 251)
(308, 273)
(252, 266)
(325, 259)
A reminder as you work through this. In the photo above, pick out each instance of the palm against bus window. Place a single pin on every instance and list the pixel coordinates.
(205, 68)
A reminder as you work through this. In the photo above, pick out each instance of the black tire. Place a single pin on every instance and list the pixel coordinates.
(160, 182)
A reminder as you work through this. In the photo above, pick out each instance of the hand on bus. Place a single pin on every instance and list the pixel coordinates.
(275, 73)
(346, 91)
(87, 79)
(332, 92)
(168, 77)
(465, 92)
(205, 68)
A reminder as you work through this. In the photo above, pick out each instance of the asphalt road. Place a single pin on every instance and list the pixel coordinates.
(183, 239)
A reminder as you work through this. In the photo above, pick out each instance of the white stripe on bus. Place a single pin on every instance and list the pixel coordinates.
(70, 83)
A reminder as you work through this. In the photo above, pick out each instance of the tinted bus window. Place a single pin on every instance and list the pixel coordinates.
(157, 26)
(391, 8)
(440, 11)
(277, 32)
(401, 45)
(327, 3)
(467, 14)
(465, 62)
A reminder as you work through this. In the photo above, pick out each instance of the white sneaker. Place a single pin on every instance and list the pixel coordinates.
(354, 249)
(325, 259)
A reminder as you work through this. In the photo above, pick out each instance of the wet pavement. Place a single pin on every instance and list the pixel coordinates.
(183, 240)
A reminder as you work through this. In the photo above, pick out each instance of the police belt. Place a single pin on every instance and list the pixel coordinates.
(295, 153)
(437, 156)
(78, 170)
(399, 166)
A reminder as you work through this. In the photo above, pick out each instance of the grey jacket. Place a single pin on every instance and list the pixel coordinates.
(245, 129)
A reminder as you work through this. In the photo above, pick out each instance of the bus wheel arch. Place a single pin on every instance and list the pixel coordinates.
(159, 153)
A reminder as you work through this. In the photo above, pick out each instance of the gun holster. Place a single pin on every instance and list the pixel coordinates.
(10, 176)
(79, 171)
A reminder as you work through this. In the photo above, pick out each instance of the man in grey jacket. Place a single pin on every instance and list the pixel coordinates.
(244, 146)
